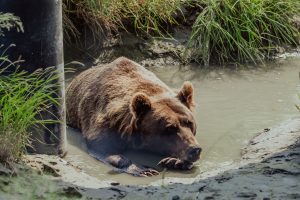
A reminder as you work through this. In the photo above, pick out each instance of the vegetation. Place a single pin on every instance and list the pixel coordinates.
(23, 97)
(9, 21)
(149, 17)
(224, 30)
(243, 30)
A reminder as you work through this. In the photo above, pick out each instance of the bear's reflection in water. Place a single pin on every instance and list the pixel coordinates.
(78, 154)
(76, 139)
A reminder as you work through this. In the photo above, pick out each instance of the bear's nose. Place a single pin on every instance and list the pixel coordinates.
(194, 153)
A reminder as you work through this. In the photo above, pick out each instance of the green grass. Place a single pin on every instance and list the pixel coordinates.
(23, 97)
(9, 21)
(225, 31)
(243, 30)
(104, 17)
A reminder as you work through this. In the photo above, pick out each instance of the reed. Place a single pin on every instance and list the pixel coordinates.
(23, 97)
(243, 30)
(104, 17)
(9, 21)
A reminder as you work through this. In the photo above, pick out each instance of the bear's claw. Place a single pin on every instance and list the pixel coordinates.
(175, 163)
(141, 171)
(149, 172)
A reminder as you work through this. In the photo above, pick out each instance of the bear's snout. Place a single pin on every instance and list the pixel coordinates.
(193, 153)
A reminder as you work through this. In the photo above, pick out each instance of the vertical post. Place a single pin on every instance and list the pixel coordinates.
(41, 46)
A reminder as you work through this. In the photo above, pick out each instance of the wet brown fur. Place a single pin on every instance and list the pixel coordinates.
(98, 95)
(118, 95)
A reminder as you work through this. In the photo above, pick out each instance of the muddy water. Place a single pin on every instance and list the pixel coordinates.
(232, 106)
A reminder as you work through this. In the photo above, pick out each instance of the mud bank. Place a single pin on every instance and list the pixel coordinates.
(149, 52)
(269, 169)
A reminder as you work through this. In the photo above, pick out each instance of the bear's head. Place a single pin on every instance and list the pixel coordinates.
(166, 124)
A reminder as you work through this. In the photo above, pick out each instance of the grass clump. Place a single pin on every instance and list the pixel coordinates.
(243, 30)
(104, 16)
(23, 97)
(9, 21)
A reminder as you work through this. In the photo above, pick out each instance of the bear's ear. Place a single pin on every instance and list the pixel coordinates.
(140, 104)
(186, 94)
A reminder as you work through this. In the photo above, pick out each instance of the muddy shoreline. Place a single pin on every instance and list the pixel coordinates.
(149, 52)
(269, 169)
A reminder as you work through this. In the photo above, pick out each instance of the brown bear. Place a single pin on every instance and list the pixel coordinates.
(122, 105)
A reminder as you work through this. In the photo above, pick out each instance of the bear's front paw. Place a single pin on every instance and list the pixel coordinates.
(141, 171)
(175, 163)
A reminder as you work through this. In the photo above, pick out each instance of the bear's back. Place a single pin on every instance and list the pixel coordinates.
(103, 88)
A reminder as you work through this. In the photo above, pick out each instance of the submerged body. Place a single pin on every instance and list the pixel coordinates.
(122, 106)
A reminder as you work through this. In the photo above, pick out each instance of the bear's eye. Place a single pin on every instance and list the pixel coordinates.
(170, 129)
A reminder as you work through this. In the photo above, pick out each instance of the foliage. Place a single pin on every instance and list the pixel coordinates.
(243, 30)
(104, 16)
(23, 97)
(9, 21)
(224, 31)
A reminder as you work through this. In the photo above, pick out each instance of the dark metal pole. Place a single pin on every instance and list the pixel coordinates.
(41, 46)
